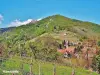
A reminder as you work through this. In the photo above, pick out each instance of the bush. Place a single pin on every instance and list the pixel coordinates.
(96, 63)
(98, 43)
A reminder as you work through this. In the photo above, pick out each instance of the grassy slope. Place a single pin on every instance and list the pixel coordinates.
(47, 25)
(46, 67)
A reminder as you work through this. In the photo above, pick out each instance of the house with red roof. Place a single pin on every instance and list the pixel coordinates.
(67, 51)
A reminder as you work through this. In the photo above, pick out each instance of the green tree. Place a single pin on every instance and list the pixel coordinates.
(98, 43)
(96, 63)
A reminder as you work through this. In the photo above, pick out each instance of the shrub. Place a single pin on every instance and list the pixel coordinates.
(98, 43)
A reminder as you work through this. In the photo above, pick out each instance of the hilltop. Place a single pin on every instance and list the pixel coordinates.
(56, 24)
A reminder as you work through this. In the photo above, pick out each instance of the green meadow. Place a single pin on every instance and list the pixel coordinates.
(45, 68)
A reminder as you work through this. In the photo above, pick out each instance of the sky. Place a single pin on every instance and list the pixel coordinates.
(17, 12)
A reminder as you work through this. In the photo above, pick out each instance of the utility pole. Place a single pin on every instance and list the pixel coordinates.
(21, 60)
(1, 56)
(54, 69)
(73, 72)
(31, 66)
(87, 58)
(31, 69)
(87, 55)
(39, 69)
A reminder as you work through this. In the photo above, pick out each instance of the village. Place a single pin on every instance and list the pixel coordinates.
(83, 52)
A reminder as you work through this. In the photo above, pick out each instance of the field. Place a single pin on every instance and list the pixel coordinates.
(45, 68)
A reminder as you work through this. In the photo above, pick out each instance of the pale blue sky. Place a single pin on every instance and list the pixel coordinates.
(86, 10)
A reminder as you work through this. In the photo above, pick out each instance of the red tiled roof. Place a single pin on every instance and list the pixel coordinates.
(70, 50)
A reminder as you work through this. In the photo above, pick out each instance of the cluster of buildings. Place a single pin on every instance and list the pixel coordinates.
(88, 49)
